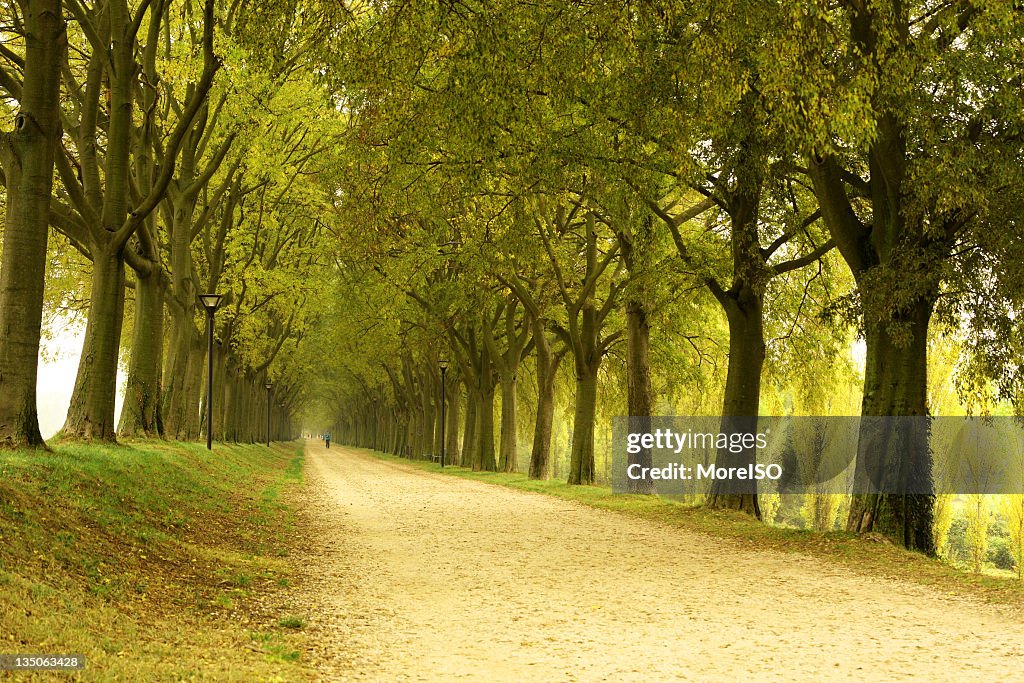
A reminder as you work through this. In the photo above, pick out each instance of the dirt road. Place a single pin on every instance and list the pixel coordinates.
(422, 577)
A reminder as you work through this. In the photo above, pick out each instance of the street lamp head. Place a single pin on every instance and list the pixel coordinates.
(268, 386)
(443, 363)
(210, 301)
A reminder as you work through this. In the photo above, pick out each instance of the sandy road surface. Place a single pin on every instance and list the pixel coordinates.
(420, 577)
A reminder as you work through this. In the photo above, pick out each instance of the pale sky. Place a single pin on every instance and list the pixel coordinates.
(57, 378)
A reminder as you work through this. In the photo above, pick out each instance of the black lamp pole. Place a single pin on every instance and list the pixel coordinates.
(210, 303)
(268, 386)
(444, 368)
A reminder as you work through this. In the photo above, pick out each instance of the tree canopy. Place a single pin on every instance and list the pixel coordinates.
(577, 210)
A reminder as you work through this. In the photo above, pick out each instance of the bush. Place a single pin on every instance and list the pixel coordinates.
(956, 542)
(1000, 554)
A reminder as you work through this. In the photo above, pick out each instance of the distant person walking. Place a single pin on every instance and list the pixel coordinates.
(327, 439)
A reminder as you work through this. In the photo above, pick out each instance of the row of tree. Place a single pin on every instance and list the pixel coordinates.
(700, 204)
(174, 152)
(743, 183)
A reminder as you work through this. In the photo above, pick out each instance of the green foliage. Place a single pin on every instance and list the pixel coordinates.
(377, 186)
(978, 517)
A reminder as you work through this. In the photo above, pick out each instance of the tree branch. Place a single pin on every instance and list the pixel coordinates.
(797, 263)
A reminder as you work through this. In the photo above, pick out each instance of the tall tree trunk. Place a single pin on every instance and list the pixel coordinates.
(401, 434)
(640, 399)
(91, 414)
(741, 404)
(588, 361)
(895, 378)
(220, 390)
(469, 439)
(178, 368)
(640, 395)
(26, 155)
(195, 373)
(230, 399)
(484, 460)
(245, 398)
(375, 426)
(547, 371)
(743, 304)
(140, 414)
(252, 409)
(412, 434)
(429, 421)
(581, 462)
(506, 363)
(509, 438)
(452, 417)
(898, 460)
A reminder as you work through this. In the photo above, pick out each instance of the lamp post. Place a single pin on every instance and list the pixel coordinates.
(268, 387)
(444, 368)
(210, 303)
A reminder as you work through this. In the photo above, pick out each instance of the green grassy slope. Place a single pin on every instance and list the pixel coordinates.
(155, 560)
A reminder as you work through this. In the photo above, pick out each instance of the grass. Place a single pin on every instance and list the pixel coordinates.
(291, 622)
(155, 560)
(869, 554)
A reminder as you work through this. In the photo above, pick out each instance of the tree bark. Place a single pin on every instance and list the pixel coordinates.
(895, 384)
(581, 463)
(547, 371)
(230, 422)
(452, 429)
(91, 414)
(439, 427)
(181, 389)
(140, 414)
(27, 155)
(195, 371)
(507, 365)
(220, 390)
(890, 243)
(587, 354)
(469, 439)
(484, 457)
(640, 396)
(741, 404)
(400, 434)
(509, 451)
(743, 304)
(895, 379)
(430, 430)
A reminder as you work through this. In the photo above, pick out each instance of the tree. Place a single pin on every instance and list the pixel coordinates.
(107, 206)
(587, 307)
(506, 362)
(905, 123)
(26, 171)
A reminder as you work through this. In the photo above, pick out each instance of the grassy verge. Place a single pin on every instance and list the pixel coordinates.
(868, 554)
(155, 560)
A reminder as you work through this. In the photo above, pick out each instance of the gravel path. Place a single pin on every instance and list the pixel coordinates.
(419, 577)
